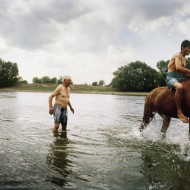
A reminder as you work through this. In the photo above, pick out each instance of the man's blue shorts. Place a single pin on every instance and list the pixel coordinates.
(172, 77)
(60, 115)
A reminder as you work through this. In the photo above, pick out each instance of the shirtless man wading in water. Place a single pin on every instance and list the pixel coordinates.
(59, 110)
(176, 74)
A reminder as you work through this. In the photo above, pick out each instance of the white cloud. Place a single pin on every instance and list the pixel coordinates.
(89, 39)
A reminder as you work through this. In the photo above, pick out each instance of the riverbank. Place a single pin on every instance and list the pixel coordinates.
(83, 89)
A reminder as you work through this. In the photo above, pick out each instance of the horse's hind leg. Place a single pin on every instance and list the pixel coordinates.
(166, 122)
(147, 118)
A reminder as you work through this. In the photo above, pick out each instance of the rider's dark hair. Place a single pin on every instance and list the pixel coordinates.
(185, 43)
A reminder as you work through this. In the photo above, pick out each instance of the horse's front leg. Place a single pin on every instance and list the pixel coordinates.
(166, 123)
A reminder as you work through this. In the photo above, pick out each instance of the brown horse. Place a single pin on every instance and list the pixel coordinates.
(161, 101)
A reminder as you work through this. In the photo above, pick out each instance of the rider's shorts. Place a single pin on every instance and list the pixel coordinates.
(60, 115)
(172, 77)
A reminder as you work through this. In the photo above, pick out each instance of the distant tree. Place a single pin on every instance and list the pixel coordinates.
(21, 81)
(60, 80)
(136, 76)
(54, 80)
(163, 68)
(36, 80)
(95, 84)
(188, 63)
(8, 73)
(101, 83)
(46, 79)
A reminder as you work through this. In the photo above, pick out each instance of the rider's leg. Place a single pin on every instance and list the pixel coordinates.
(178, 100)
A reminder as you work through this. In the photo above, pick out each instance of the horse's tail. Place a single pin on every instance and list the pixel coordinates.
(148, 106)
(148, 110)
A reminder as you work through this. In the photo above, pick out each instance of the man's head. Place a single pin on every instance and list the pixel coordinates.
(67, 81)
(185, 43)
(185, 47)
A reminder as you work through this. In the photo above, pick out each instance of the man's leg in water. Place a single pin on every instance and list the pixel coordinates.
(64, 127)
(56, 127)
(64, 119)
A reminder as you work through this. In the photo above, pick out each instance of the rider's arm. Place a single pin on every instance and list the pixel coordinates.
(180, 67)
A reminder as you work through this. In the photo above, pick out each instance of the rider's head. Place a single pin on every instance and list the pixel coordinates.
(185, 44)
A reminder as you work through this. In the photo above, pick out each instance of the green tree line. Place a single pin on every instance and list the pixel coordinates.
(46, 79)
(98, 83)
(135, 76)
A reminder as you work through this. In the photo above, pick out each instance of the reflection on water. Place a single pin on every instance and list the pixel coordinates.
(57, 159)
(101, 150)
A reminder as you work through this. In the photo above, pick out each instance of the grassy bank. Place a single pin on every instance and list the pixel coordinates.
(86, 89)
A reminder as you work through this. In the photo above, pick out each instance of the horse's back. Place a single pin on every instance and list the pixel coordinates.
(161, 100)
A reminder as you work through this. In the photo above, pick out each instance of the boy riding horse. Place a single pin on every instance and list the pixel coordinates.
(176, 74)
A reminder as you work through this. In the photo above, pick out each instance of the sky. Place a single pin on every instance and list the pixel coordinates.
(89, 39)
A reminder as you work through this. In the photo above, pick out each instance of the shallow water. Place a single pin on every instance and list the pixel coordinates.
(102, 148)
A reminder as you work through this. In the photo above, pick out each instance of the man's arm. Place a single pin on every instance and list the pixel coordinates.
(71, 108)
(180, 68)
(50, 103)
(55, 93)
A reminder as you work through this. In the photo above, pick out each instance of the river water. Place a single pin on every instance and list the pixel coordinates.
(102, 149)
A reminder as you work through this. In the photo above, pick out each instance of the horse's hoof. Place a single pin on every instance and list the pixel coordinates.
(141, 134)
(163, 135)
(141, 129)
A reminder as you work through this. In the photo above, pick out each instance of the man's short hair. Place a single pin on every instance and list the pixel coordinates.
(185, 43)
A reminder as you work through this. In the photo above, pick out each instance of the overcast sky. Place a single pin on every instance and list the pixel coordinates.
(89, 39)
